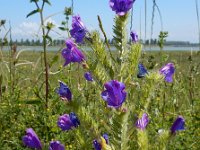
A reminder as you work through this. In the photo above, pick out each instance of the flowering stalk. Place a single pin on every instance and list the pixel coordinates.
(141, 132)
(120, 35)
(142, 140)
(153, 81)
(121, 9)
(191, 79)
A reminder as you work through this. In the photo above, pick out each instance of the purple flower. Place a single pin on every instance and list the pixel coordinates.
(64, 91)
(141, 71)
(31, 140)
(78, 30)
(105, 136)
(134, 37)
(74, 119)
(66, 122)
(168, 71)
(178, 124)
(71, 53)
(121, 7)
(88, 76)
(114, 94)
(56, 145)
(142, 122)
(96, 145)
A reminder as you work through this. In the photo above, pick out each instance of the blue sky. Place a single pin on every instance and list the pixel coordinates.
(179, 17)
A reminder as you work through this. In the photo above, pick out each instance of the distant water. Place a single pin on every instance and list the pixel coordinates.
(147, 48)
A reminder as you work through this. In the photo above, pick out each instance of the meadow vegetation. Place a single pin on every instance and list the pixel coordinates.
(121, 107)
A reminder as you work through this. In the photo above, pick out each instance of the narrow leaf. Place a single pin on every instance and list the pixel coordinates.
(47, 1)
(63, 28)
(54, 60)
(32, 13)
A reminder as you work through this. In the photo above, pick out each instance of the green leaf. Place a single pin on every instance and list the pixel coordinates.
(63, 28)
(165, 58)
(54, 60)
(32, 13)
(47, 1)
(33, 1)
(63, 22)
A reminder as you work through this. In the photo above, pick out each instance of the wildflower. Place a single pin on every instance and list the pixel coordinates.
(105, 136)
(64, 122)
(88, 76)
(71, 53)
(96, 145)
(78, 30)
(64, 91)
(141, 71)
(114, 94)
(67, 121)
(168, 71)
(103, 145)
(178, 124)
(74, 119)
(31, 140)
(134, 37)
(121, 7)
(142, 122)
(56, 145)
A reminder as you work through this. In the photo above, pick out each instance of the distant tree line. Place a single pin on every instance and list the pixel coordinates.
(28, 42)
(59, 42)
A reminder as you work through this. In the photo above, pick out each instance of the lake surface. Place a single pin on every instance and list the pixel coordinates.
(146, 48)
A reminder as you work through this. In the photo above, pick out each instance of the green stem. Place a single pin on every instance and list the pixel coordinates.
(45, 52)
(164, 104)
(10, 60)
(106, 40)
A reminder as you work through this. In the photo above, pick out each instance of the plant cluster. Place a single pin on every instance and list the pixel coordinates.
(105, 100)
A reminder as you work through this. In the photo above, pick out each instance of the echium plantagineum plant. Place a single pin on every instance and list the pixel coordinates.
(107, 104)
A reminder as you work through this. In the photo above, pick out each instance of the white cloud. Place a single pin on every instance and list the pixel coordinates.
(26, 29)
(32, 30)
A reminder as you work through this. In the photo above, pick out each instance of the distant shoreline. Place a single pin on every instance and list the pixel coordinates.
(86, 48)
